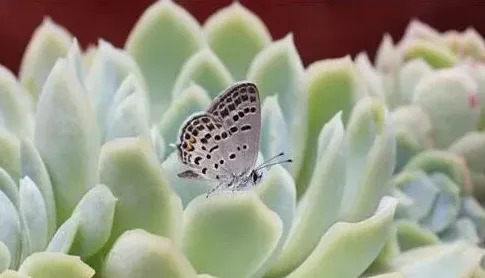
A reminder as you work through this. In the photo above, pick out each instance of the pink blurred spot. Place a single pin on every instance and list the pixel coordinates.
(473, 100)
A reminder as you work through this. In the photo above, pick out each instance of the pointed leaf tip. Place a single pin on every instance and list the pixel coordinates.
(235, 29)
(164, 37)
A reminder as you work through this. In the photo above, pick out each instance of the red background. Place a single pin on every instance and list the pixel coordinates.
(322, 29)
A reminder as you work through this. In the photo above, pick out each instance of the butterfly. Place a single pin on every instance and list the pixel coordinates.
(221, 144)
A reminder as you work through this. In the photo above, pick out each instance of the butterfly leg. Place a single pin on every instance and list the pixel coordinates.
(213, 189)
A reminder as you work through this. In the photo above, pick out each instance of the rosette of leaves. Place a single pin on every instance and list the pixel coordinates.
(89, 185)
(432, 84)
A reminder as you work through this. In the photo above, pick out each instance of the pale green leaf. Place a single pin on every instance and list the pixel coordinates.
(64, 237)
(130, 169)
(138, 253)
(10, 153)
(332, 86)
(33, 167)
(444, 94)
(358, 242)
(459, 259)
(33, 217)
(49, 42)
(236, 35)
(192, 100)
(111, 70)
(10, 233)
(278, 70)
(96, 212)
(4, 257)
(16, 106)
(55, 265)
(68, 144)
(278, 192)
(238, 224)
(319, 207)
(371, 159)
(206, 70)
(163, 38)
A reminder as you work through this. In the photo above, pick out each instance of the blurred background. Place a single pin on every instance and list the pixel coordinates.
(322, 29)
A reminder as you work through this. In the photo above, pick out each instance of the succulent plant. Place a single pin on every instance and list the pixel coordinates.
(432, 84)
(88, 184)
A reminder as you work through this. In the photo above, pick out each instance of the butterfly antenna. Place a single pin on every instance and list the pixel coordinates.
(274, 163)
(271, 159)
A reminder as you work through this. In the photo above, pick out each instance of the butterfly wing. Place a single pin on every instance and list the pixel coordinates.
(238, 109)
(198, 149)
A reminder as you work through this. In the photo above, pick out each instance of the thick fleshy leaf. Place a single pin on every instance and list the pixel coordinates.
(74, 59)
(474, 43)
(158, 142)
(274, 131)
(371, 159)
(33, 167)
(472, 209)
(63, 239)
(88, 55)
(446, 208)
(206, 70)
(4, 257)
(138, 253)
(278, 192)
(55, 265)
(10, 153)
(186, 189)
(417, 29)
(389, 275)
(420, 188)
(235, 29)
(413, 132)
(12, 274)
(319, 207)
(460, 260)
(9, 187)
(10, 233)
(373, 80)
(332, 86)
(472, 148)
(410, 235)
(476, 71)
(409, 76)
(193, 99)
(96, 212)
(462, 229)
(444, 94)
(436, 161)
(16, 105)
(33, 217)
(278, 69)
(359, 242)
(238, 224)
(130, 169)
(388, 58)
(164, 37)
(49, 42)
(68, 144)
(129, 119)
(110, 69)
(436, 55)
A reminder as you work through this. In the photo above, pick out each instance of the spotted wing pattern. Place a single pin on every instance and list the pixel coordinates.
(238, 108)
(223, 141)
(199, 149)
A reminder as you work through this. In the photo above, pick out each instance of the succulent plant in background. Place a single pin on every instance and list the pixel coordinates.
(432, 84)
(88, 184)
